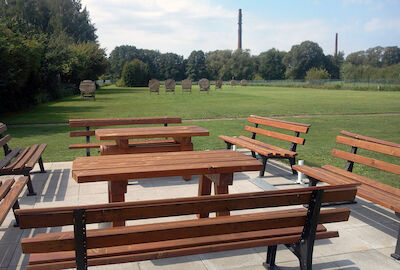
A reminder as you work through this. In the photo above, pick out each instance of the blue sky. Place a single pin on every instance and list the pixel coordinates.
(181, 26)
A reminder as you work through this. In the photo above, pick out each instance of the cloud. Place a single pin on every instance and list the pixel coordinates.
(377, 24)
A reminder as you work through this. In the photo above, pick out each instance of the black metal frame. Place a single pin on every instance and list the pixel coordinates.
(80, 239)
(304, 248)
(396, 254)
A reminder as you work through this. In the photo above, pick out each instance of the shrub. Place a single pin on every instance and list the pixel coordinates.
(315, 75)
(135, 73)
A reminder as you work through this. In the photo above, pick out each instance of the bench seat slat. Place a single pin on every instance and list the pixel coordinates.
(170, 245)
(372, 146)
(375, 163)
(4, 188)
(20, 165)
(268, 146)
(11, 165)
(6, 160)
(35, 157)
(275, 135)
(178, 230)
(5, 140)
(11, 197)
(298, 127)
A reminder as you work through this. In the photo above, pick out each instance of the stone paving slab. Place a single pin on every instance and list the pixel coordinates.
(366, 240)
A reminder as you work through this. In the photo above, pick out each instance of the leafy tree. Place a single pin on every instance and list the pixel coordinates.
(196, 66)
(270, 65)
(171, 67)
(333, 63)
(302, 58)
(135, 73)
(242, 65)
(391, 56)
(315, 74)
(218, 64)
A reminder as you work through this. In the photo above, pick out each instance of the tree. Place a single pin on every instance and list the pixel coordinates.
(302, 58)
(135, 73)
(218, 64)
(196, 66)
(242, 65)
(391, 56)
(270, 65)
(315, 74)
(332, 64)
(171, 67)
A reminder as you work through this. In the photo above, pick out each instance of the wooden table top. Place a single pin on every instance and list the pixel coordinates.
(150, 132)
(131, 166)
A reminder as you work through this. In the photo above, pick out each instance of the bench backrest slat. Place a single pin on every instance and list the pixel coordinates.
(82, 133)
(181, 229)
(372, 146)
(369, 139)
(123, 121)
(5, 140)
(298, 127)
(49, 217)
(3, 128)
(275, 135)
(375, 163)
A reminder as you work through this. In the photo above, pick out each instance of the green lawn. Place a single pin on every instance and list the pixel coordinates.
(229, 102)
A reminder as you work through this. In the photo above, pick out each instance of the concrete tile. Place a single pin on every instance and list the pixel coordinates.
(6, 253)
(179, 263)
(10, 234)
(231, 259)
(122, 266)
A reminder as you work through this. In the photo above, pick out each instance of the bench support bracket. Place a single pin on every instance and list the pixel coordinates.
(396, 254)
(80, 239)
(271, 255)
(304, 248)
(350, 164)
(15, 207)
(31, 192)
(87, 141)
(264, 162)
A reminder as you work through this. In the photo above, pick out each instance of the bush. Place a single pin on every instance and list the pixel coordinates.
(135, 73)
(315, 75)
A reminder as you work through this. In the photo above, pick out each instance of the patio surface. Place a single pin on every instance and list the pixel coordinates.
(366, 240)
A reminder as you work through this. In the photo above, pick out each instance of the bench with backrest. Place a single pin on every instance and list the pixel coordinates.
(88, 123)
(20, 160)
(297, 228)
(9, 192)
(265, 150)
(374, 191)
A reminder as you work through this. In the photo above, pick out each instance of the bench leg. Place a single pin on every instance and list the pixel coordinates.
(15, 207)
(41, 165)
(292, 162)
(31, 192)
(264, 161)
(204, 189)
(271, 255)
(228, 145)
(396, 254)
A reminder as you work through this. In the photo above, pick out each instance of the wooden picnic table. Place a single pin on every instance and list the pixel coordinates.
(215, 166)
(181, 136)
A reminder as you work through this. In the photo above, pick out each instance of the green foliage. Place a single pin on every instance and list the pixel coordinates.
(315, 74)
(270, 65)
(196, 66)
(217, 63)
(135, 73)
(350, 72)
(375, 57)
(242, 65)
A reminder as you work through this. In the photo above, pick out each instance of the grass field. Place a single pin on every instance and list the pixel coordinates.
(232, 103)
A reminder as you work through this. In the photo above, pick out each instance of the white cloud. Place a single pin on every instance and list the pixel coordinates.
(377, 24)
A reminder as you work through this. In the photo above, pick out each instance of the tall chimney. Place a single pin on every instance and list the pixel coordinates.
(240, 30)
(336, 44)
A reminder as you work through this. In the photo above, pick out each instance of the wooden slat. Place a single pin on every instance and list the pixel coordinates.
(81, 133)
(314, 173)
(4, 188)
(250, 146)
(61, 216)
(35, 157)
(20, 165)
(363, 180)
(11, 165)
(3, 128)
(5, 140)
(170, 245)
(12, 197)
(181, 252)
(276, 135)
(150, 132)
(132, 143)
(6, 160)
(123, 121)
(372, 146)
(268, 146)
(369, 139)
(179, 230)
(298, 127)
(378, 164)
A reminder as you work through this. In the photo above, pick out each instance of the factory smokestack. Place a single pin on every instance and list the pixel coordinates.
(240, 30)
(336, 44)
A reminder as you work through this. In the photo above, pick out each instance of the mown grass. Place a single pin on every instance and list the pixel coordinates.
(317, 151)
(231, 102)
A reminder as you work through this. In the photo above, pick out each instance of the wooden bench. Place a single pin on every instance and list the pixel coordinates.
(296, 228)
(267, 151)
(374, 191)
(20, 160)
(87, 123)
(9, 192)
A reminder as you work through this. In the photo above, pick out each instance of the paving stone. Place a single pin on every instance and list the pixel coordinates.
(179, 263)
(231, 259)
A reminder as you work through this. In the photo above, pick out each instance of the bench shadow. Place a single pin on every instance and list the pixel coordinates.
(56, 183)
